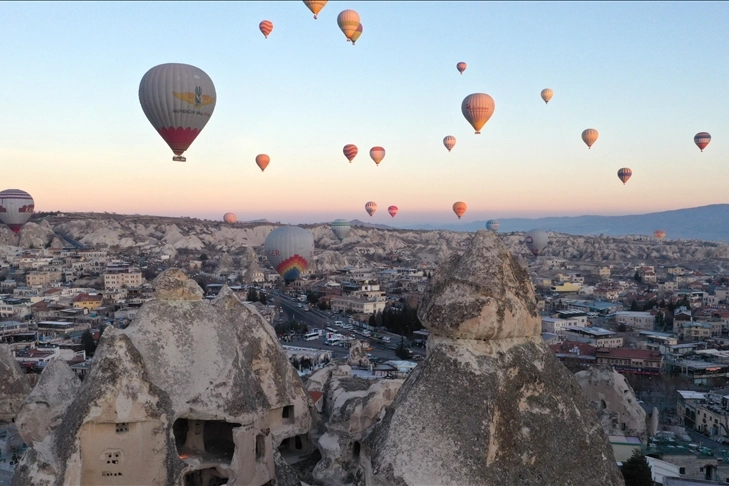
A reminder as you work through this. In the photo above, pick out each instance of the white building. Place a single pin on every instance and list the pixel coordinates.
(635, 319)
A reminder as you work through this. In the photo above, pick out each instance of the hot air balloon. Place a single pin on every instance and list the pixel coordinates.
(536, 240)
(589, 136)
(659, 234)
(702, 139)
(461, 66)
(350, 151)
(289, 250)
(229, 218)
(547, 95)
(371, 207)
(262, 161)
(377, 154)
(348, 21)
(449, 142)
(477, 108)
(266, 27)
(492, 225)
(357, 33)
(16, 208)
(459, 208)
(315, 6)
(340, 228)
(624, 174)
(392, 210)
(178, 100)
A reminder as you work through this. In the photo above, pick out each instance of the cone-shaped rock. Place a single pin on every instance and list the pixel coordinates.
(14, 386)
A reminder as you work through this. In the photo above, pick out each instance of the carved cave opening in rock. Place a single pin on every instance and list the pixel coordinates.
(212, 438)
(205, 477)
(356, 447)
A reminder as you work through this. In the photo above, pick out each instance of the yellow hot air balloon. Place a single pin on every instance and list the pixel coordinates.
(315, 6)
(477, 108)
(589, 136)
(357, 33)
(547, 95)
(348, 21)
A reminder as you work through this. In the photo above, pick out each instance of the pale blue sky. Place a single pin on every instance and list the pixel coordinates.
(646, 75)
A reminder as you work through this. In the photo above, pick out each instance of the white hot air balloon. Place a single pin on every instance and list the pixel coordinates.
(289, 249)
(536, 240)
(16, 208)
(341, 228)
(493, 225)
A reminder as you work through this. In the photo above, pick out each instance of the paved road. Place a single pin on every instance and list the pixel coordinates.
(5, 478)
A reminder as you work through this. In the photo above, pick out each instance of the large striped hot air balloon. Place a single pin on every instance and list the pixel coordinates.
(477, 108)
(459, 208)
(371, 207)
(392, 210)
(449, 142)
(702, 139)
(461, 66)
(289, 249)
(350, 151)
(547, 95)
(348, 21)
(589, 136)
(624, 174)
(16, 208)
(492, 225)
(262, 161)
(315, 6)
(229, 218)
(377, 154)
(340, 228)
(536, 240)
(178, 100)
(357, 33)
(266, 27)
(659, 234)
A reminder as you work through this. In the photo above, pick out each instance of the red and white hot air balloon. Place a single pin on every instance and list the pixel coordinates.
(371, 207)
(459, 208)
(178, 100)
(262, 161)
(449, 142)
(477, 108)
(702, 139)
(377, 154)
(392, 210)
(16, 208)
(266, 27)
(461, 66)
(350, 151)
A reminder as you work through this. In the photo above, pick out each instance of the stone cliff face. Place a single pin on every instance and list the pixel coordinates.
(14, 386)
(490, 405)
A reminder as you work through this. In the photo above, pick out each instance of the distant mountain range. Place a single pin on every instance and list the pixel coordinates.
(709, 223)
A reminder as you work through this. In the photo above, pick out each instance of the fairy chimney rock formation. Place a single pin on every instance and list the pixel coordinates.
(14, 386)
(358, 355)
(491, 404)
(173, 285)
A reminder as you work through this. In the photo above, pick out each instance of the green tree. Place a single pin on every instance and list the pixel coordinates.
(636, 470)
(87, 341)
(262, 298)
(252, 295)
(402, 352)
(637, 277)
(634, 306)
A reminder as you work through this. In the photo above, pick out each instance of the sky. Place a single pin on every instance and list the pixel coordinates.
(647, 75)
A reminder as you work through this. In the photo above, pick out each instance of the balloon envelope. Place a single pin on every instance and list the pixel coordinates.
(266, 27)
(477, 108)
(624, 174)
(262, 161)
(536, 240)
(459, 208)
(348, 21)
(659, 234)
(315, 6)
(350, 151)
(589, 136)
(392, 210)
(178, 100)
(377, 154)
(371, 207)
(461, 66)
(702, 139)
(449, 142)
(357, 33)
(547, 95)
(16, 208)
(229, 218)
(492, 225)
(289, 249)
(340, 228)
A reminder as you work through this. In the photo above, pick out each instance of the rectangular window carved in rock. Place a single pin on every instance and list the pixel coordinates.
(288, 412)
(260, 447)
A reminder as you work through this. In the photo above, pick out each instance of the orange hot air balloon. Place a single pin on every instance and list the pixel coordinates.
(449, 142)
(371, 207)
(377, 154)
(589, 136)
(702, 139)
(357, 34)
(477, 108)
(659, 234)
(266, 27)
(262, 161)
(392, 210)
(459, 208)
(229, 218)
(315, 6)
(461, 66)
(348, 21)
(350, 151)
(547, 95)
(624, 174)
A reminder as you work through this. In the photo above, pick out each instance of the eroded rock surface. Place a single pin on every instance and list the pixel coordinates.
(14, 386)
